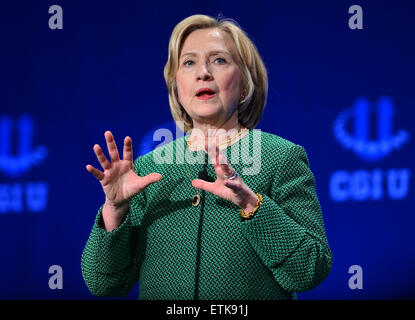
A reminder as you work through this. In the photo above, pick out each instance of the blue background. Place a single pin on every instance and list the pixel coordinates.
(104, 71)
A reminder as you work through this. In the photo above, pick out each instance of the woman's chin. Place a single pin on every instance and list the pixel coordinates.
(207, 116)
(206, 112)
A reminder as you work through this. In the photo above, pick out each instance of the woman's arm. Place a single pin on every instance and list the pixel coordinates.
(108, 260)
(288, 231)
(108, 265)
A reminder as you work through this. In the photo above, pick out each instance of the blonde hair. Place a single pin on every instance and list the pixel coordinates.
(254, 73)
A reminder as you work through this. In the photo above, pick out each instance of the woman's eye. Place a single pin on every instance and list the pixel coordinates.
(187, 63)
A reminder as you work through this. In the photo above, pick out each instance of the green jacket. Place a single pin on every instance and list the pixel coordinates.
(177, 251)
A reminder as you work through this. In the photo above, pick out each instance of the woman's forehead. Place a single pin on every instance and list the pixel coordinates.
(211, 39)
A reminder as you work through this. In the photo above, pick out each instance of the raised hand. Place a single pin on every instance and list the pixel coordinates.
(234, 190)
(119, 181)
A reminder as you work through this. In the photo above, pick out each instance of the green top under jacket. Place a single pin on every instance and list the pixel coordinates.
(178, 251)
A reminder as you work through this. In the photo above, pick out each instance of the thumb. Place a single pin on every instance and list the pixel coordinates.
(204, 185)
(151, 178)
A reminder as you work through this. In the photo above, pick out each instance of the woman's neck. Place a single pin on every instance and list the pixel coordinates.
(223, 135)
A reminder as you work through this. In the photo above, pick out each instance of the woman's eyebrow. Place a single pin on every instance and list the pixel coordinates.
(209, 53)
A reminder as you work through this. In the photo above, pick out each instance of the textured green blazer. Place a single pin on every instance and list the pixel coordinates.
(178, 251)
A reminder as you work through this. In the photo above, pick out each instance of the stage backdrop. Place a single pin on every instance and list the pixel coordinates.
(341, 75)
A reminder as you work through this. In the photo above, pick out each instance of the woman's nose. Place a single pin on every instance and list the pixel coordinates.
(203, 73)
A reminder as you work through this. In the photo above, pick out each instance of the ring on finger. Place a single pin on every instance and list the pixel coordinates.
(232, 176)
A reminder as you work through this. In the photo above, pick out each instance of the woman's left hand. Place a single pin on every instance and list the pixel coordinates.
(234, 190)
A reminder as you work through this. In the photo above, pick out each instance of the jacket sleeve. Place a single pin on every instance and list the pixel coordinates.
(287, 231)
(108, 263)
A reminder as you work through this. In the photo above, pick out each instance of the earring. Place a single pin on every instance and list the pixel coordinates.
(243, 95)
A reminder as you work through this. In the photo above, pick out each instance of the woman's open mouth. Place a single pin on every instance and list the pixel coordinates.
(205, 94)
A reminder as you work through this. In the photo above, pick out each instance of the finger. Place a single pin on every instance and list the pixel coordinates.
(112, 146)
(221, 164)
(150, 178)
(128, 149)
(204, 185)
(215, 154)
(105, 164)
(225, 165)
(95, 172)
(233, 184)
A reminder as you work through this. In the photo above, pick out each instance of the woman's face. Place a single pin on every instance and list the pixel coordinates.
(207, 62)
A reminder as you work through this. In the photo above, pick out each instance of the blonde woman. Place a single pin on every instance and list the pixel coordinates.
(217, 228)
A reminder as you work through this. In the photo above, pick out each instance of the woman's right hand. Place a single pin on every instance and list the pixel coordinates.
(119, 181)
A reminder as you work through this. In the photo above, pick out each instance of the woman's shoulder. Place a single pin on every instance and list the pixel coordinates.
(278, 150)
(274, 142)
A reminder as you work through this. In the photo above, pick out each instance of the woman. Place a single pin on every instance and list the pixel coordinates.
(212, 229)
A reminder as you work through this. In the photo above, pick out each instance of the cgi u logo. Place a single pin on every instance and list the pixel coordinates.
(365, 148)
(17, 197)
(25, 157)
(375, 184)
